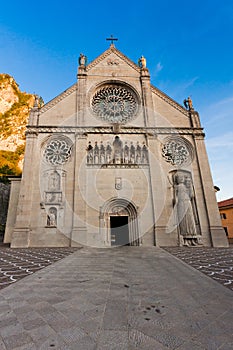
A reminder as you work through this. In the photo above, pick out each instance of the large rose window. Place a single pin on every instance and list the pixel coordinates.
(115, 104)
(57, 152)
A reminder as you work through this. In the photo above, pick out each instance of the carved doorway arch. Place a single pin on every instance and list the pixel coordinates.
(119, 207)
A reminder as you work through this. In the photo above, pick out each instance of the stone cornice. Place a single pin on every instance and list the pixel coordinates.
(106, 53)
(58, 98)
(109, 130)
(169, 100)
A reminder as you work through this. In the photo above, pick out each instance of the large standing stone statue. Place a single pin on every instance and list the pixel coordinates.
(184, 210)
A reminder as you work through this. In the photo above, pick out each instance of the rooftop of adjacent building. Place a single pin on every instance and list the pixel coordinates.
(226, 203)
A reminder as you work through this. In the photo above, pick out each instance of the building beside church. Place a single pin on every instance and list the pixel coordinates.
(226, 215)
(113, 161)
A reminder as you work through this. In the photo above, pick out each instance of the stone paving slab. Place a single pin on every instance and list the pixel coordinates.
(20, 262)
(216, 263)
(123, 298)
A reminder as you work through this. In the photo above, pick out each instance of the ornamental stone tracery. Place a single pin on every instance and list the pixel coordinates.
(115, 104)
(57, 152)
(176, 152)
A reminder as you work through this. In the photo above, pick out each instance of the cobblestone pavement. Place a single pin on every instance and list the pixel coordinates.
(128, 298)
(216, 263)
(18, 263)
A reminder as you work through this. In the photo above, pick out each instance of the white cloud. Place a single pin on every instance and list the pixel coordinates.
(159, 67)
(221, 141)
(222, 109)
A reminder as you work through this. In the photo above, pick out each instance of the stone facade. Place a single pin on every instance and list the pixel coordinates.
(112, 161)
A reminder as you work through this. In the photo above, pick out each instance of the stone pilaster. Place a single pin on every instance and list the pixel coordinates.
(194, 119)
(20, 236)
(217, 232)
(79, 233)
(13, 203)
(34, 116)
(81, 95)
(147, 102)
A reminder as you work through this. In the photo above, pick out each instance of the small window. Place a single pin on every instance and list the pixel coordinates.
(226, 231)
(223, 216)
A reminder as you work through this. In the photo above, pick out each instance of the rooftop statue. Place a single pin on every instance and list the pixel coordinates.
(142, 62)
(188, 103)
(82, 60)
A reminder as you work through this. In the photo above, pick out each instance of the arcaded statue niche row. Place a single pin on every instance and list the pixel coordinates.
(117, 152)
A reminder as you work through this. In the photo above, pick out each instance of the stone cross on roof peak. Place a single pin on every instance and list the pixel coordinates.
(112, 39)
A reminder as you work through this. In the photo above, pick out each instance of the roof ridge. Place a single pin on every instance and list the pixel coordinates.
(225, 200)
(58, 98)
(169, 100)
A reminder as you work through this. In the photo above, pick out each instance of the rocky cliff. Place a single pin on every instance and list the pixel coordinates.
(14, 112)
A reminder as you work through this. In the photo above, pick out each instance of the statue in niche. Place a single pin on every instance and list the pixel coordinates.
(52, 217)
(96, 153)
(138, 153)
(102, 153)
(117, 146)
(126, 153)
(132, 153)
(184, 196)
(54, 181)
(144, 154)
(108, 153)
(89, 153)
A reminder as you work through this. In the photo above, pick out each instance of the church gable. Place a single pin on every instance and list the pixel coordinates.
(60, 110)
(113, 62)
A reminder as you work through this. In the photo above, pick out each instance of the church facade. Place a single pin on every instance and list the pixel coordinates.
(114, 161)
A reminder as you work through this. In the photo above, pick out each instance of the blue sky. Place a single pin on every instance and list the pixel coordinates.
(188, 46)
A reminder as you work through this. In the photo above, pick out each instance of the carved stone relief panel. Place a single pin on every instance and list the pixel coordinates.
(117, 153)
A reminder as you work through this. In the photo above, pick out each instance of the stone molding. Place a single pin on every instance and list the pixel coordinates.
(58, 98)
(196, 132)
(169, 100)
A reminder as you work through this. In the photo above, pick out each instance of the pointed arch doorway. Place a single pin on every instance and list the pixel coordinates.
(119, 223)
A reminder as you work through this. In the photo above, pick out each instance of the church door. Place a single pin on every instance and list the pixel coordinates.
(119, 230)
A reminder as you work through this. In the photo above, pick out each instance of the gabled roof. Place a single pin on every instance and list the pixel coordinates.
(226, 203)
(106, 53)
(97, 60)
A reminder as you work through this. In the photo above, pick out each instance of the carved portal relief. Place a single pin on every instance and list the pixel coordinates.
(118, 152)
(177, 151)
(186, 210)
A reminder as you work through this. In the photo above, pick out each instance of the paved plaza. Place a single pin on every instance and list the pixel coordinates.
(117, 299)
(18, 263)
(216, 263)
